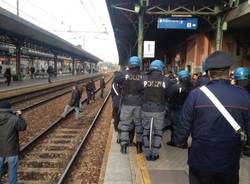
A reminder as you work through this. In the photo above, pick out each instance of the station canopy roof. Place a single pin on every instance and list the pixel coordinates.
(124, 19)
(21, 29)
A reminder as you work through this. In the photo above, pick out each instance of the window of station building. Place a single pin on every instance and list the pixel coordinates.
(189, 68)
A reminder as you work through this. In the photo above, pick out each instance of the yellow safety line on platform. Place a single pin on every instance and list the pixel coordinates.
(145, 178)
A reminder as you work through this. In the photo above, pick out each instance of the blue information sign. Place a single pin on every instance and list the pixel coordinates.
(177, 23)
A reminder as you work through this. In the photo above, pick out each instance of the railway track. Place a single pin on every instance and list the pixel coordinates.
(39, 100)
(48, 156)
(35, 98)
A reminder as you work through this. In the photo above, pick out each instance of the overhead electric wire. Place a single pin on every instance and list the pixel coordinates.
(97, 13)
(10, 5)
(89, 14)
(45, 11)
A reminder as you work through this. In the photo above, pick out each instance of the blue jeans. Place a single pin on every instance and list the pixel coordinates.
(12, 168)
(67, 108)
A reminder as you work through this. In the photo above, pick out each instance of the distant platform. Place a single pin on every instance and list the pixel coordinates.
(19, 87)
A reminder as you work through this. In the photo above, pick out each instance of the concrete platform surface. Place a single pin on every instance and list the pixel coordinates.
(170, 168)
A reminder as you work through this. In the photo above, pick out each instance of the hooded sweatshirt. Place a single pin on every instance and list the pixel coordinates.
(10, 125)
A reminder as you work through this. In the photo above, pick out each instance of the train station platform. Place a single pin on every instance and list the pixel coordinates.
(18, 87)
(170, 168)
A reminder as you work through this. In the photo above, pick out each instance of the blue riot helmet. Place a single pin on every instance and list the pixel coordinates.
(182, 74)
(134, 61)
(241, 73)
(156, 65)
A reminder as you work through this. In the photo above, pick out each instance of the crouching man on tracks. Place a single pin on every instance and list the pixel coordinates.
(74, 102)
(10, 125)
(216, 116)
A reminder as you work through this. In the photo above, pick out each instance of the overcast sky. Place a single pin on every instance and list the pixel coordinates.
(81, 22)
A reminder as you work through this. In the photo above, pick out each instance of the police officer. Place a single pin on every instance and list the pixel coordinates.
(153, 109)
(116, 97)
(204, 79)
(214, 155)
(177, 95)
(241, 75)
(131, 105)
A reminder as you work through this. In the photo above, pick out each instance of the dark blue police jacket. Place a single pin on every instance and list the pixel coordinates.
(215, 145)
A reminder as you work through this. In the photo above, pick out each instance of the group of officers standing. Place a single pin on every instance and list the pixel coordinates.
(143, 101)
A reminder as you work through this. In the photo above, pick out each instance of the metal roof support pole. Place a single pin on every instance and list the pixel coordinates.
(140, 34)
(91, 68)
(219, 31)
(73, 66)
(18, 58)
(55, 64)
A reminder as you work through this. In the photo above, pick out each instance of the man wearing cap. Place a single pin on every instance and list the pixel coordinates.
(10, 125)
(214, 155)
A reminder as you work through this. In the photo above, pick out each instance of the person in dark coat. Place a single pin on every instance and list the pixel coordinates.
(204, 78)
(102, 85)
(93, 90)
(10, 124)
(80, 87)
(214, 155)
(116, 100)
(90, 88)
(32, 72)
(7, 75)
(50, 72)
(241, 77)
(177, 95)
(74, 103)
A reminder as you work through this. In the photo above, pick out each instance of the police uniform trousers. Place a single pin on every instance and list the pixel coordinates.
(175, 119)
(158, 124)
(198, 176)
(128, 115)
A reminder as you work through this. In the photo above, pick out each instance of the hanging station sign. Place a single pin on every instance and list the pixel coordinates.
(149, 49)
(177, 23)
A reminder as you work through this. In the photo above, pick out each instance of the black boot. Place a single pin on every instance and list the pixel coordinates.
(124, 149)
(148, 158)
(139, 147)
(154, 157)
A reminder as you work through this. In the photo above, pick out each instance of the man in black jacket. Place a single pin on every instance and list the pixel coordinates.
(102, 86)
(10, 124)
(74, 102)
(90, 88)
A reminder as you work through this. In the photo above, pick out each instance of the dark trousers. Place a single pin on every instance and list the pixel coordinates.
(102, 90)
(8, 81)
(49, 77)
(116, 117)
(197, 176)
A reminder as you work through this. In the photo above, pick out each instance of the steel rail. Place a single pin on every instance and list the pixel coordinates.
(38, 136)
(83, 142)
(44, 91)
